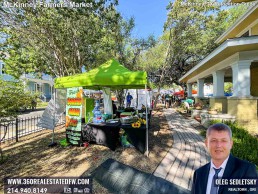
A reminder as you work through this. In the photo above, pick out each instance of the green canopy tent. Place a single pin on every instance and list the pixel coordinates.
(112, 75)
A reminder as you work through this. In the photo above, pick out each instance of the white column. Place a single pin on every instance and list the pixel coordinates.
(241, 78)
(189, 90)
(200, 86)
(218, 83)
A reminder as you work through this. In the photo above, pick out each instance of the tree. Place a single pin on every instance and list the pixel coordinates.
(153, 61)
(13, 97)
(228, 87)
(56, 41)
(194, 30)
(127, 49)
(189, 35)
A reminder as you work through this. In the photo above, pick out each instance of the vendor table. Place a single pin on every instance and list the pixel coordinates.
(103, 133)
(108, 134)
(118, 112)
(125, 114)
(136, 136)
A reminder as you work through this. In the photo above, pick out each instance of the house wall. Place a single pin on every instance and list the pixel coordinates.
(254, 79)
(219, 103)
(245, 110)
(31, 86)
(47, 91)
(254, 30)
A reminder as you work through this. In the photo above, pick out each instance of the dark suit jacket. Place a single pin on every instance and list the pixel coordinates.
(235, 168)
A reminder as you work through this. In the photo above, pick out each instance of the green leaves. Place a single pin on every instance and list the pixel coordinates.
(13, 97)
(189, 35)
(57, 41)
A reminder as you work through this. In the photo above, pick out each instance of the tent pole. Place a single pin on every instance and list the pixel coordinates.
(147, 124)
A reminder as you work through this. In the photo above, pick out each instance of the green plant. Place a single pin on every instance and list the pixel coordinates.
(203, 133)
(42, 104)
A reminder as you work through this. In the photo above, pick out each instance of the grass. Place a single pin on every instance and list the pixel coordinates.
(42, 104)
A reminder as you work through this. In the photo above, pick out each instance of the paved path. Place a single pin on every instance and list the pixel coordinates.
(187, 153)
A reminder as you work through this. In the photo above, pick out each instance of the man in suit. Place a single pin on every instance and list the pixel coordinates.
(223, 164)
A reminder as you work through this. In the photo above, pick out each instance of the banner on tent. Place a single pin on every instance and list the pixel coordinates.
(74, 108)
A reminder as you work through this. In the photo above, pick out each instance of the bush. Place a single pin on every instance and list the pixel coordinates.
(245, 145)
(41, 104)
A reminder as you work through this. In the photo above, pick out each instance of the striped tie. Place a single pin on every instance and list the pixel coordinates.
(214, 188)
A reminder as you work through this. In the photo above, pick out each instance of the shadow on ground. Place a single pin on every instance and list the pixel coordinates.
(31, 156)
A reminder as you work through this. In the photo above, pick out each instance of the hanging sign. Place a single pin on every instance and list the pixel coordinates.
(74, 109)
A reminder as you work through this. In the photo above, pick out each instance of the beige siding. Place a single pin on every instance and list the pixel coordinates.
(245, 111)
(220, 104)
(254, 30)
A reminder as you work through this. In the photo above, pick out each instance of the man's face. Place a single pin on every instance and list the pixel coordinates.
(219, 145)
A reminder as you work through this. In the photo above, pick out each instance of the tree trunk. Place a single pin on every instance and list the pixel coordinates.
(157, 97)
(1, 154)
(120, 97)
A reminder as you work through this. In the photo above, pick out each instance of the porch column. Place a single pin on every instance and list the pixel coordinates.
(189, 90)
(200, 86)
(218, 83)
(241, 78)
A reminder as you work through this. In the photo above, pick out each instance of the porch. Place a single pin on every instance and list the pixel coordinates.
(234, 61)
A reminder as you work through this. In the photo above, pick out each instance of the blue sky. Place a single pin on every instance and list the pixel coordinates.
(149, 15)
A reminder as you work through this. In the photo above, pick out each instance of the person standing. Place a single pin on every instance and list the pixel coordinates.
(128, 100)
(223, 164)
(168, 101)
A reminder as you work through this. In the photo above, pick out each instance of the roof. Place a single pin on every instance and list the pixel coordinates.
(240, 26)
(225, 50)
(110, 74)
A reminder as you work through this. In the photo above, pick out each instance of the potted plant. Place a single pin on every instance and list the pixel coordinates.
(212, 111)
(198, 106)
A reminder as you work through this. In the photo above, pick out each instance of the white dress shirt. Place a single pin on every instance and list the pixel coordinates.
(212, 173)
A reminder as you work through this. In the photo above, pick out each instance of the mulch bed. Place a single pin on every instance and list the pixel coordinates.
(31, 156)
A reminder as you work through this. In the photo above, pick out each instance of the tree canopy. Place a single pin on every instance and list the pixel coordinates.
(57, 41)
(61, 41)
(189, 35)
(13, 98)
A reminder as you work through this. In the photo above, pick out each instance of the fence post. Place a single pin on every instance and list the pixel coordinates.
(16, 128)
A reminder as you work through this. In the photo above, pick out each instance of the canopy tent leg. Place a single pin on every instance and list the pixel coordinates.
(147, 124)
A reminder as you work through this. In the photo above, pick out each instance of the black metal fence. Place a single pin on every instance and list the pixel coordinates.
(14, 129)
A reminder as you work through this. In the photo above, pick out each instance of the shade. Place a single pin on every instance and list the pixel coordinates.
(110, 74)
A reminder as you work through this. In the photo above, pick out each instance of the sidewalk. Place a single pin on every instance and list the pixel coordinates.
(187, 153)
